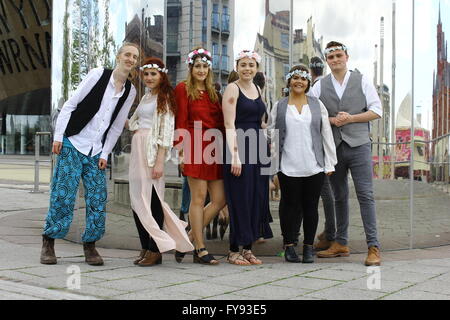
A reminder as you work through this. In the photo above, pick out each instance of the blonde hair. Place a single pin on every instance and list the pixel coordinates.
(191, 89)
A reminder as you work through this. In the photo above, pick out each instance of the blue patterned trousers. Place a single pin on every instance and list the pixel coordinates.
(70, 167)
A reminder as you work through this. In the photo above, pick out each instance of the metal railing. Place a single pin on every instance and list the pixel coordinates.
(37, 160)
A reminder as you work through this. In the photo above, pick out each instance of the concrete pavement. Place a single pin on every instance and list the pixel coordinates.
(404, 274)
(407, 274)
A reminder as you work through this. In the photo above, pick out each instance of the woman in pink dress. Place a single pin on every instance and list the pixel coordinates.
(159, 228)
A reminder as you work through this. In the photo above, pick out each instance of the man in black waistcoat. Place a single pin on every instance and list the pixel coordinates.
(86, 131)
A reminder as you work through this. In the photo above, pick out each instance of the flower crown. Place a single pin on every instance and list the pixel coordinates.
(154, 66)
(316, 65)
(191, 55)
(301, 73)
(248, 54)
(332, 49)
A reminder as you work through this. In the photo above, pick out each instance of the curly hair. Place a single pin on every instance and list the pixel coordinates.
(166, 98)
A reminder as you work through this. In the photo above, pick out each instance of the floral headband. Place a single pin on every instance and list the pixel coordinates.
(248, 54)
(332, 49)
(154, 66)
(301, 73)
(191, 55)
(316, 65)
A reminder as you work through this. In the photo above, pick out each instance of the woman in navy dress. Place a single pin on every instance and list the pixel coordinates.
(245, 181)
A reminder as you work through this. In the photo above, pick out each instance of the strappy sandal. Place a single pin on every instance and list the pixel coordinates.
(237, 259)
(250, 257)
(205, 259)
(179, 256)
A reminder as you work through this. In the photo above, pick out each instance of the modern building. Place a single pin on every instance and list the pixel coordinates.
(273, 46)
(205, 23)
(25, 66)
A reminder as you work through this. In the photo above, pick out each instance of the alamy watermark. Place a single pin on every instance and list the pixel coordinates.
(211, 146)
(73, 282)
(374, 280)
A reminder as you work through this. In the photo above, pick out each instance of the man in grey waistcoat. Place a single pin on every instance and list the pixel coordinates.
(352, 102)
(328, 235)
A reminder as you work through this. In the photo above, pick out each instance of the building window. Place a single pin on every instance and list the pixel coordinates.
(225, 19)
(215, 24)
(216, 56)
(204, 22)
(285, 40)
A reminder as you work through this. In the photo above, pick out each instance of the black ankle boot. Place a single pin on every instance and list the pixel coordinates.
(308, 255)
(290, 255)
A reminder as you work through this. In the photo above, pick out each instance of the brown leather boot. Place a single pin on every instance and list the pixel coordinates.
(373, 257)
(323, 244)
(322, 236)
(91, 254)
(141, 256)
(48, 250)
(150, 259)
(335, 250)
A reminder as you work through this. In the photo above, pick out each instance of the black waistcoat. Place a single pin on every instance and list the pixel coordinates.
(90, 105)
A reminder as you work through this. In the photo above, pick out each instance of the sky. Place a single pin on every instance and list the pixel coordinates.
(357, 24)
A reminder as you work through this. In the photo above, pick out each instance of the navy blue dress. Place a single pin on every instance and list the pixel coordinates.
(248, 195)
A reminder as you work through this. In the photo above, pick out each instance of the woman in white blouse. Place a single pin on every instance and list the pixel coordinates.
(159, 228)
(306, 152)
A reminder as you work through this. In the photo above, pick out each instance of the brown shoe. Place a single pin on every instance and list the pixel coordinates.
(323, 244)
(48, 250)
(150, 259)
(373, 257)
(141, 256)
(91, 254)
(322, 236)
(336, 250)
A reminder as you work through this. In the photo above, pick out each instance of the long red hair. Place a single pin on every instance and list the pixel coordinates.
(166, 95)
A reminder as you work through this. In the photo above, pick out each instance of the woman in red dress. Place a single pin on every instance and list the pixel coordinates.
(199, 123)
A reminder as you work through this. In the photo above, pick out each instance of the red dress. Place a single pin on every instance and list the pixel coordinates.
(206, 115)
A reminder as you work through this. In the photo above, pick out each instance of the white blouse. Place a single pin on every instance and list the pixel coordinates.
(298, 158)
(161, 133)
(145, 112)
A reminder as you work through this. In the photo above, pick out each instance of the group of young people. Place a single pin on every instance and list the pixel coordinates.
(314, 136)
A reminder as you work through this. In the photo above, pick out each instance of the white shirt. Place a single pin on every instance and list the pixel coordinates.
(90, 137)
(145, 111)
(298, 158)
(372, 98)
(298, 148)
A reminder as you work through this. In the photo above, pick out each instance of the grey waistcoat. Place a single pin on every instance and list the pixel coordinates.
(354, 102)
(316, 127)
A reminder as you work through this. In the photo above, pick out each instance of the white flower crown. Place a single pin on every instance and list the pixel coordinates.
(248, 54)
(154, 66)
(301, 73)
(316, 65)
(332, 49)
(191, 54)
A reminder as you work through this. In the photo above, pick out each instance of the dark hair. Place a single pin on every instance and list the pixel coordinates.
(166, 95)
(233, 76)
(317, 71)
(301, 68)
(259, 79)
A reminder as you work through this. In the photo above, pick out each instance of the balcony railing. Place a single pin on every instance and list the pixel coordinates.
(172, 44)
(216, 62)
(215, 22)
(224, 64)
(225, 23)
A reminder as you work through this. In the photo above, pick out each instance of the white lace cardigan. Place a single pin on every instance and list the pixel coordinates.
(161, 133)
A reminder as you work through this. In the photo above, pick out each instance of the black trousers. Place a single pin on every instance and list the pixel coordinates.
(147, 241)
(299, 201)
